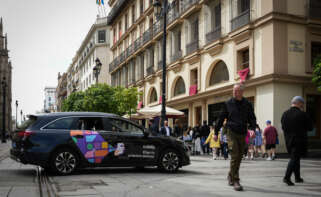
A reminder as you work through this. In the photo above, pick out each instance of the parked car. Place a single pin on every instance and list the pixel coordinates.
(64, 142)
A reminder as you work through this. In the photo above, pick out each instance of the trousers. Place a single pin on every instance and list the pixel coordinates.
(293, 165)
(236, 145)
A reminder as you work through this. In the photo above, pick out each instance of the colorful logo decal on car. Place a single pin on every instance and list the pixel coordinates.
(93, 146)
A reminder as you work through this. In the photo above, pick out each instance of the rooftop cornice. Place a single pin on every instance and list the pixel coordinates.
(114, 12)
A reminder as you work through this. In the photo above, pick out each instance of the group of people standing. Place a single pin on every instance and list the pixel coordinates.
(236, 130)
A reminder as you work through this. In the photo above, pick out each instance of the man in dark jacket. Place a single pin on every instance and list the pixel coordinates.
(166, 130)
(239, 114)
(295, 124)
(205, 131)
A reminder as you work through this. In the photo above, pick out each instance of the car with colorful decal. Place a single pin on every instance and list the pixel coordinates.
(66, 141)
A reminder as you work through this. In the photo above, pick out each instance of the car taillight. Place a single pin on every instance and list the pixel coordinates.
(25, 133)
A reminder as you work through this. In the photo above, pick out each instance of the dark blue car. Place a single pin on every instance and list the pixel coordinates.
(64, 142)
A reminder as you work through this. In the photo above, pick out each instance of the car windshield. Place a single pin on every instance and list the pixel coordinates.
(25, 124)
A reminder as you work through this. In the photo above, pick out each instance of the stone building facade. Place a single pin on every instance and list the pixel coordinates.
(211, 45)
(5, 78)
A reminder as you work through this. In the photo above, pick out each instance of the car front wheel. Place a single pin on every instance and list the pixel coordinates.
(169, 161)
(64, 162)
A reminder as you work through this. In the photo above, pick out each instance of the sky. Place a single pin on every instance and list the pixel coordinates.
(43, 37)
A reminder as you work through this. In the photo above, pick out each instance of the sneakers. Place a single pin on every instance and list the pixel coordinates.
(288, 182)
(237, 186)
(269, 159)
(299, 180)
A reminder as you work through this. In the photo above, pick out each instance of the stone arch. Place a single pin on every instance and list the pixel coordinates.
(152, 95)
(178, 87)
(217, 73)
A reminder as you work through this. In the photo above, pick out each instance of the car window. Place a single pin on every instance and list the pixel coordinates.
(64, 123)
(124, 126)
(90, 123)
(27, 123)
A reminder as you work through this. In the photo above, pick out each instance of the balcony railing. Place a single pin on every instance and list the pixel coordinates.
(147, 36)
(177, 55)
(152, 32)
(160, 65)
(188, 3)
(213, 35)
(191, 47)
(315, 9)
(240, 20)
(150, 70)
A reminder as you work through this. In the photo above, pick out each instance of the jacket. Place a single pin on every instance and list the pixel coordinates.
(296, 124)
(210, 139)
(163, 131)
(239, 115)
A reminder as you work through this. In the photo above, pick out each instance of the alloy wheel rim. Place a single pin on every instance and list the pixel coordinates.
(65, 162)
(170, 161)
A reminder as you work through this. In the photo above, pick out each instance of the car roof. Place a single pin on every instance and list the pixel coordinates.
(64, 114)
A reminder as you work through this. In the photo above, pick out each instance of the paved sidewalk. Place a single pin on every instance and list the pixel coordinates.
(16, 179)
(5, 149)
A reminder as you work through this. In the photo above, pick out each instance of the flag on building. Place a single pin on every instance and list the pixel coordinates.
(100, 2)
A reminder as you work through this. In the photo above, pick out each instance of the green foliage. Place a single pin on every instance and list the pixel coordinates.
(103, 98)
(317, 72)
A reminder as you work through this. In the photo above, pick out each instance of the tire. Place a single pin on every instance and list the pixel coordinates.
(169, 161)
(64, 161)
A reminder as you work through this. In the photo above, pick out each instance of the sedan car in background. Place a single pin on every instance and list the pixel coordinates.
(66, 141)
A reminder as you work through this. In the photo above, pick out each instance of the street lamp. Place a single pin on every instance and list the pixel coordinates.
(21, 116)
(4, 86)
(161, 12)
(16, 113)
(97, 68)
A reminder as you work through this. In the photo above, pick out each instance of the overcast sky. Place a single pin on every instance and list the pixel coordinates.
(43, 37)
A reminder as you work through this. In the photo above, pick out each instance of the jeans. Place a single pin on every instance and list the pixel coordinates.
(224, 148)
(293, 165)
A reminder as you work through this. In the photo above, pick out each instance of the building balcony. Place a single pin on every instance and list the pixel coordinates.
(137, 44)
(314, 9)
(150, 70)
(172, 16)
(188, 3)
(148, 35)
(213, 35)
(191, 47)
(177, 55)
(160, 65)
(240, 20)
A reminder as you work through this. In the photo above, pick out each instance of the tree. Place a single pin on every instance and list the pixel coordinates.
(127, 99)
(317, 72)
(99, 98)
(103, 98)
(73, 102)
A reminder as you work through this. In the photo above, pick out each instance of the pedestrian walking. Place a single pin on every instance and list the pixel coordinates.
(205, 131)
(295, 124)
(223, 140)
(258, 141)
(250, 138)
(270, 134)
(239, 114)
(214, 144)
(178, 131)
(197, 141)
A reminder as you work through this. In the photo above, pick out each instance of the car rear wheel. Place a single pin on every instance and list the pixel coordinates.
(64, 162)
(169, 161)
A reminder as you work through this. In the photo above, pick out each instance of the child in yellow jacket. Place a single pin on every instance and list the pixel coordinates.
(215, 145)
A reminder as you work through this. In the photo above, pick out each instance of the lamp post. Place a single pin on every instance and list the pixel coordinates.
(21, 116)
(16, 113)
(161, 12)
(4, 86)
(97, 68)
